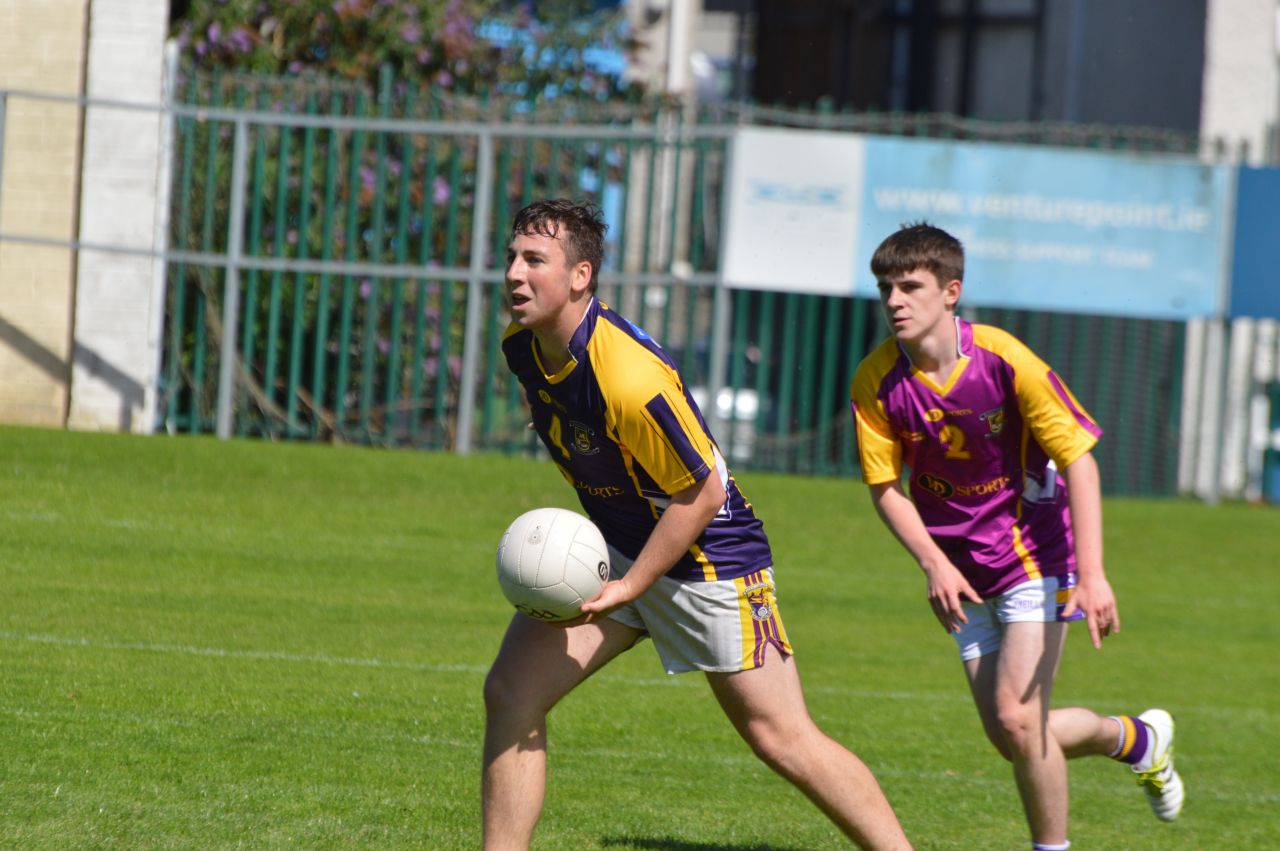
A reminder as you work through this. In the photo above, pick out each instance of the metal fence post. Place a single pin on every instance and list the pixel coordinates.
(720, 310)
(1209, 454)
(160, 241)
(231, 292)
(475, 290)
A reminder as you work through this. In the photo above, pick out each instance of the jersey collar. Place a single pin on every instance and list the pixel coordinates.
(964, 345)
(577, 345)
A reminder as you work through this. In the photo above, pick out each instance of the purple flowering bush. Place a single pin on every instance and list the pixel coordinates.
(465, 47)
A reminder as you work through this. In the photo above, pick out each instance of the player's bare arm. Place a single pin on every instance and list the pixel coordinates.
(947, 586)
(690, 511)
(1093, 594)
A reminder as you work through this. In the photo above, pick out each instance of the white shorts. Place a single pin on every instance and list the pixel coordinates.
(1034, 601)
(724, 626)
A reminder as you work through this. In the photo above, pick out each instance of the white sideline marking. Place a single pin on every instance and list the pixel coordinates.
(957, 696)
(221, 653)
(373, 662)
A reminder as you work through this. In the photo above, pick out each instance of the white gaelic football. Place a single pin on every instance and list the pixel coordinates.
(550, 562)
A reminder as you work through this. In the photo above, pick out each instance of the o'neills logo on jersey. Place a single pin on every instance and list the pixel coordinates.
(936, 485)
(935, 415)
(547, 400)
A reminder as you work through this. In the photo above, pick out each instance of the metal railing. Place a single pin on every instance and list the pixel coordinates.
(334, 273)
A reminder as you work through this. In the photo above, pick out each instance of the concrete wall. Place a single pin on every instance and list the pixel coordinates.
(1242, 76)
(79, 335)
(119, 306)
(41, 48)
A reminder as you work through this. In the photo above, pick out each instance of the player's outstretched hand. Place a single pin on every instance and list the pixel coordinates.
(948, 589)
(1095, 598)
(614, 594)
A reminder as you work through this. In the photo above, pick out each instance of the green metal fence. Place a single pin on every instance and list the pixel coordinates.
(364, 233)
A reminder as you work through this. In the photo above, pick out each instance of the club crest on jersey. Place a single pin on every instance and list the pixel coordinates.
(760, 599)
(582, 439)
(994, 419)
(936, 485)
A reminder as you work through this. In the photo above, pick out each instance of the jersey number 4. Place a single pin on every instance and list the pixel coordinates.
(555, 431)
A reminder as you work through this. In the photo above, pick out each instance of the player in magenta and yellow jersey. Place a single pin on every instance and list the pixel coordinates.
(1004, 517)
(691, 566)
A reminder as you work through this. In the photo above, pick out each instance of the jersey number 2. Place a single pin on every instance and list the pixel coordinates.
(953, 438)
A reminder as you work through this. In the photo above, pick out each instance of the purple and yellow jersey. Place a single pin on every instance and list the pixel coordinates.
(625, 432)
(983, 452)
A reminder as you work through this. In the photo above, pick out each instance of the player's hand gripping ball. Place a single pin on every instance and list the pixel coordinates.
(550, 562)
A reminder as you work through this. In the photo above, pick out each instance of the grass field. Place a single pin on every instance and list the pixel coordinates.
(240, 644)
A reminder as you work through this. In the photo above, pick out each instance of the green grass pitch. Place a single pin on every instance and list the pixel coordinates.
(241, 644)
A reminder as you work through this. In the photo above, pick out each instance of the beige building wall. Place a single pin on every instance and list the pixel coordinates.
(41, 49)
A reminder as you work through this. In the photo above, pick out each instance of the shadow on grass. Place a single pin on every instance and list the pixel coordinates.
(668, 844)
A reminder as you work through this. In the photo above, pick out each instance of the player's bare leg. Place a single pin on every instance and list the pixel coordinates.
(1083, 732)
(537, 665)
(1012, 689)
(767, 707)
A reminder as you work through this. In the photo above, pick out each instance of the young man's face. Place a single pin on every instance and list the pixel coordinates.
(916, 304)
(540, 280)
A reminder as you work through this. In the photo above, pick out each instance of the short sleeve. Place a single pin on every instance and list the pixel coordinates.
(646, 406)
(879, 451)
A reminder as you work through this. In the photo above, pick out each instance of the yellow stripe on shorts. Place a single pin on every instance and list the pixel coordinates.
(761, 623)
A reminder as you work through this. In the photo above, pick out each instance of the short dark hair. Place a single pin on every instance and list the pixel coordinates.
(919, 245)
(583, 224)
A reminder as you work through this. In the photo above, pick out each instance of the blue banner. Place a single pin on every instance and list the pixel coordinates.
(1255, 277)
(1058, 229)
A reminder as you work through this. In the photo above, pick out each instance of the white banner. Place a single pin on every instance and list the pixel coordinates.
(794, 202)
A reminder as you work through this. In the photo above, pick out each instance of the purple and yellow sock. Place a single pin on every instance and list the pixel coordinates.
(1133, 740)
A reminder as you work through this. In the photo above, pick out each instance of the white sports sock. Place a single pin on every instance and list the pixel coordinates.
(1120, 747)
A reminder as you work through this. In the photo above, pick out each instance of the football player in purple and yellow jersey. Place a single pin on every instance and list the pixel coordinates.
(1004, 517)
(691, 565)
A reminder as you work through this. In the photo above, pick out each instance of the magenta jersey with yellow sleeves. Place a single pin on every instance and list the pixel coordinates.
(983, 452)
(626, 433)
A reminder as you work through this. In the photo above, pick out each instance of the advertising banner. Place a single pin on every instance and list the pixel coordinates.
(794, 206)
(1044, 228)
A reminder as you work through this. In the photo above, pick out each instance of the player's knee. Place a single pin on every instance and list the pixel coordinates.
(1021, 730)
(1000, 743)
(780, 749)
(504, 694)
(496, 691)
